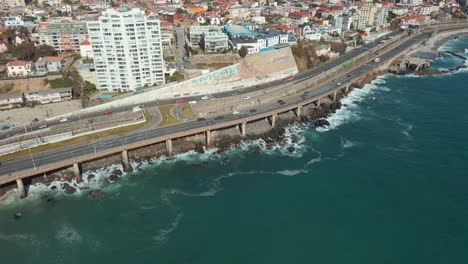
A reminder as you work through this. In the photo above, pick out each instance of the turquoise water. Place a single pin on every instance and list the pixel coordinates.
(386, 183)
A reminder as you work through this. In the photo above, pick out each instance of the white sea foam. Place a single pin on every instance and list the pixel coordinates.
(68, 235)
(163, 234)
(350, 105)
(290, 172)
(346, 143)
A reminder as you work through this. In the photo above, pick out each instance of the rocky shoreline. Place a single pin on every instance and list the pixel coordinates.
(222, 140)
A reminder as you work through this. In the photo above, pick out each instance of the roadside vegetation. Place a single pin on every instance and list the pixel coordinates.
(167, 118)
(187, 111)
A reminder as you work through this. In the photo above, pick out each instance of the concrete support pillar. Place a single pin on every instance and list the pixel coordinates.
(77, 172)
(298, 111)
(208, 138)
(273, 120)
(21, 189)
(318, 102)
(334, 96)
(243, 129)
(169, 148)
(125, 162)
(347, 89)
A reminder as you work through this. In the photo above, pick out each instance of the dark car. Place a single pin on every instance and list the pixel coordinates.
(244, 115)
(201, 119)
(35, 120)
(253, 110)
(219, 117)
(281, 102)
(349, 75)
(210, 123)
(306, 93)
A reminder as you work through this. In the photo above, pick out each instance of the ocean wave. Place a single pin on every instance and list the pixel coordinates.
(290, 172)
(350, 106)
(346, 143)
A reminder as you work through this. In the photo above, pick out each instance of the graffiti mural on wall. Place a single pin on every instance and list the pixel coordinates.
(224, 73)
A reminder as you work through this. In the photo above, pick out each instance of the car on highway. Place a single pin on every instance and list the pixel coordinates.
(43, 126)
(35, 120)
(235, 112)
(179, 101)
(338, 83)
(377, 60)
(281, 102)
(289, 78)
(210, 123)
(205, 97)
(219, 118)
(253, 110)
(63, 120)
(136, 109)
(201, 119)
(246, 97)
(306, 93)
(192, 102)
(108, 113)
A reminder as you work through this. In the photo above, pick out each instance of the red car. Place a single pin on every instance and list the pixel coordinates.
(289, 78)
(108, 113)
(179, 101)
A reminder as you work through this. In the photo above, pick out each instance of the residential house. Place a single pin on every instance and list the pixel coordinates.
(3, 46)
(49, 96)
(298, 18)
(19, 68)
(53, 64)
(11, 100)
(86, 50)
(13, 21)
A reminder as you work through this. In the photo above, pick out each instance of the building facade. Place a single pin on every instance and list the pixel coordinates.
(215, 42)
(127, 50)
(63, 36)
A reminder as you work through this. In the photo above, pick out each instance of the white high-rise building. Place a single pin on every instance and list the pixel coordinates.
(127, 50)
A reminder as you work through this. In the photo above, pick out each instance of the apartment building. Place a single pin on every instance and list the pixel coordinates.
(215, 41)
(127, 49)
(196, 32)
(63, 36)
(366, 16)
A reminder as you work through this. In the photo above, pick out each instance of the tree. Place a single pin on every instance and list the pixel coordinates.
(24, 51)
(243, 51)
(44, 50)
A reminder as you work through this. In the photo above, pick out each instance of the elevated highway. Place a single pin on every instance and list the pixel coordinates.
(44, 162)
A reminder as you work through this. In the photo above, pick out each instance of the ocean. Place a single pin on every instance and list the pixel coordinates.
(386, 182)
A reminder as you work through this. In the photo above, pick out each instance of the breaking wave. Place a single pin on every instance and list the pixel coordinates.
(350, 105)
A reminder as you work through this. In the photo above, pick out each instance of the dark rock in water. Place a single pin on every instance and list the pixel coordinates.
(53, 187)
(96, 194)
(18, 215)
(90, 176)
(199, 148)
(68, 188)
(291, 149)
(84, 188)
(117, 173)
(113, 178)
(321, 123)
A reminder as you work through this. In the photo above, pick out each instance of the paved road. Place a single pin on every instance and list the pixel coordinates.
(89, 148)
(180, 53)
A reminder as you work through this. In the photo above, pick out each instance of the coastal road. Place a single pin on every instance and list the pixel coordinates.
(90, 148)
(180, 53)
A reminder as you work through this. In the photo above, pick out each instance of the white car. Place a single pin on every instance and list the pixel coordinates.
(235, 112)
(338, 83)
(63, 119)
(136, 109)
(192, 102)
(246, 97)
(206, 97)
